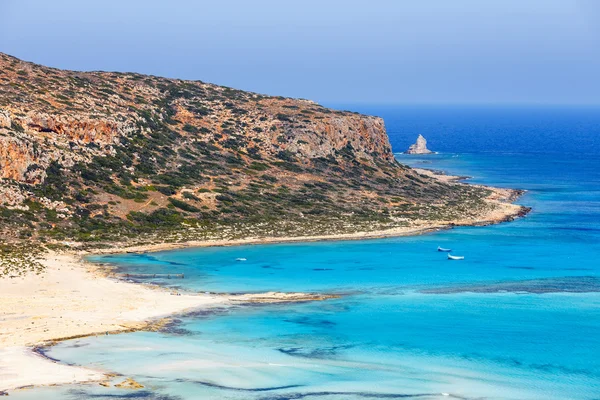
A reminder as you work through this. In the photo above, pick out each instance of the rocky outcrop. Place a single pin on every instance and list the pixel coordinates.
(18, 160)
(419, 147)
(129, 383)
(85, 130)
(12, 196)
(363, 135)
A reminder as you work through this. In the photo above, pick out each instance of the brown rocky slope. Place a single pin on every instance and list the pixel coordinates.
(105, 156)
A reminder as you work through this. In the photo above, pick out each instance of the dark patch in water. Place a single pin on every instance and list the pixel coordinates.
(146, 257)
(269, 267)
(306, 320)
(214, 385)
(365, 395)
(574, 228)
(139, 394)
(322, 352)
(576, 269)
(521, 267)
(322, 269)
(174, 328)
(43, 351)
(551, 368)
(567, 284)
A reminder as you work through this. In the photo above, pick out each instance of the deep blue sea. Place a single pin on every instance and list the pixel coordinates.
(519, 318)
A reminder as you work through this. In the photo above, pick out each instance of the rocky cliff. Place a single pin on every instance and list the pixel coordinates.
(99, 155)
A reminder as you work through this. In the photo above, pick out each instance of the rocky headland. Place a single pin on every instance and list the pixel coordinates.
(101, 157)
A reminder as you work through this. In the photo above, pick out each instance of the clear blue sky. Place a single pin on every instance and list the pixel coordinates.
(382, 51)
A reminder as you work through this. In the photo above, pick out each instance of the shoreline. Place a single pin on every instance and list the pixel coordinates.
(40, 310)
(250, 241)
(506, 211)
(74, 299)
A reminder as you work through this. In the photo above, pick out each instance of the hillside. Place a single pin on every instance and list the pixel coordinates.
(103, 157)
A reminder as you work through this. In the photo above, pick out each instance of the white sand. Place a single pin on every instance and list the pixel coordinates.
(71, 299)
(20, 367)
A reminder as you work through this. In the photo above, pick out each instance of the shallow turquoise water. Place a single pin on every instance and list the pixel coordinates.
(519, 318)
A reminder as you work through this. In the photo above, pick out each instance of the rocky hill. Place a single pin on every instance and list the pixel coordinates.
(105, 156)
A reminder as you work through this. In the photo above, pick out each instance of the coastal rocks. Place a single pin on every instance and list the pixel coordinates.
(419, 147)
(278, 297)
(522, 212)
(129, 383)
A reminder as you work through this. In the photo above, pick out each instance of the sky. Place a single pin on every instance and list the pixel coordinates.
(345, 51)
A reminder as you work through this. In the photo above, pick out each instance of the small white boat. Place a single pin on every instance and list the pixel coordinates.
(451, 257)
(240, 259)
(444, 250)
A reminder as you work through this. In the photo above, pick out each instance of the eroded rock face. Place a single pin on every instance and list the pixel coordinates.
(419, 147)
(85, 130)
(363, 135)
(78, 115)
(17, 161)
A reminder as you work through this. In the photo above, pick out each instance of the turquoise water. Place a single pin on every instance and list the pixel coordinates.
(519, 318)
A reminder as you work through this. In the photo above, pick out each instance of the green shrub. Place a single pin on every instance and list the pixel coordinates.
(190, 196)
(190, 128)
(183, 205)
(257, 166)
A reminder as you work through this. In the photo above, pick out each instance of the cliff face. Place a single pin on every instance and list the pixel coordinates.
(94, 153)
(57, 107)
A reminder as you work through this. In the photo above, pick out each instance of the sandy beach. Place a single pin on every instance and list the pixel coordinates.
(74, 298)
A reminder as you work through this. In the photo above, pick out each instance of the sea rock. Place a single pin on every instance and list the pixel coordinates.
(419, 147)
